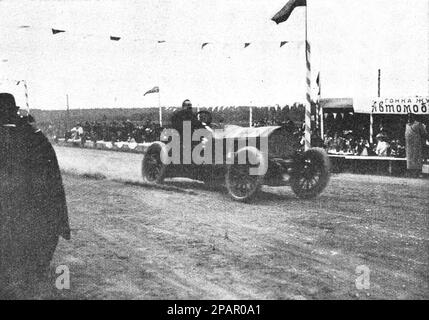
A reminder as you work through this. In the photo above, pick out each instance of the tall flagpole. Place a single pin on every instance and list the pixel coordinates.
(307, 133)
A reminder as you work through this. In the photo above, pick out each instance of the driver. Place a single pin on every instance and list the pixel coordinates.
(185, 114)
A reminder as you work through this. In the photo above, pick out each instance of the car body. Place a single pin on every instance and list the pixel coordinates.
(275, 150)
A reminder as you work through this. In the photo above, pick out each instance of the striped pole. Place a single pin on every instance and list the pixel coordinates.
(26, 96)
(307, 133)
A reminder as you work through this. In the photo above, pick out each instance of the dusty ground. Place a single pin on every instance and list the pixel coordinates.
(187, 241)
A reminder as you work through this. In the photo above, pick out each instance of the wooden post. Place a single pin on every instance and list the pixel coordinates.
(250, 117)
(160, 108)
(67, 114)
(371, 118)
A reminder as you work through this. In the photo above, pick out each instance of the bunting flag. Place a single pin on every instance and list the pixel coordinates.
(55, 31)
(286, 11)
(283, 43)
(153, 90)
(117, 38)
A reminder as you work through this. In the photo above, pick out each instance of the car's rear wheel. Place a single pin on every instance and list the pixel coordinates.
(240, 183)
(310, 174)
(153, 170)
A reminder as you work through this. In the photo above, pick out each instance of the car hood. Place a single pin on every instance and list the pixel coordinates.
(234, 132)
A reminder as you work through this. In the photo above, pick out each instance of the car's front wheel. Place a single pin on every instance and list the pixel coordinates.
(241, 184)
(153, 170)
(310, 174)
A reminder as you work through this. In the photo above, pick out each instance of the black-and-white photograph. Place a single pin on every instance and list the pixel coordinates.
(223, 150)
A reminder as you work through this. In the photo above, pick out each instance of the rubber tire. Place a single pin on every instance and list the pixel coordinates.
(258, 183)
(155, 148)
(319, 156)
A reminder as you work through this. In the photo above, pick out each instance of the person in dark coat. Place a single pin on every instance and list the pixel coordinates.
(33, 210)
(415, 139)
(185, 114)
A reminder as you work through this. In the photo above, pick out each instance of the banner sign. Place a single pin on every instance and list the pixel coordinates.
(417, 105)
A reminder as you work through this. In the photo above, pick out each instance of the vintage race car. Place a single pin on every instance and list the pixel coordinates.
(272, 152)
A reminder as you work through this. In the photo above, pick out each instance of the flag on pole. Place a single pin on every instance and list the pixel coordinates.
(153, 90)
(286, 11)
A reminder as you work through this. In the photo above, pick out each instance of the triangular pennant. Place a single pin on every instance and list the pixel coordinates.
(204, 44)
(153, 90)
(115, 38)
(246, 44)
(55, 31)
(282, 43)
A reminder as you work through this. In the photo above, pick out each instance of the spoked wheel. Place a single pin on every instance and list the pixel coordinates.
(240, 183)
(310, 174)
(153, 170)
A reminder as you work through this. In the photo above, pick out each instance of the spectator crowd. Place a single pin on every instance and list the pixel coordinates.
(114, 131)
(348, 133)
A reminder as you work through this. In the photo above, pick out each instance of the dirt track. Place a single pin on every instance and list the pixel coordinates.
(189, 241)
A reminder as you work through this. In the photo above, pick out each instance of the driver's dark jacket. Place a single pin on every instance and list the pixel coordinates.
(182, 115)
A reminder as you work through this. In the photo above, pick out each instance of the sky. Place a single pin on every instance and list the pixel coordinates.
(351, 40)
